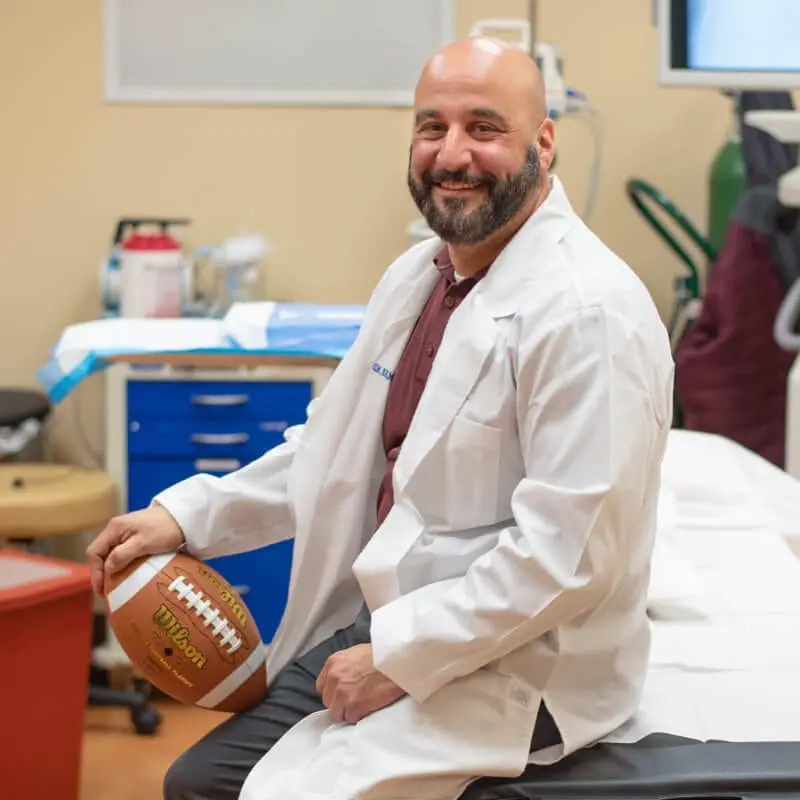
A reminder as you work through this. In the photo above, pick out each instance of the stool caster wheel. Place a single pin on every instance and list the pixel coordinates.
(146, 720)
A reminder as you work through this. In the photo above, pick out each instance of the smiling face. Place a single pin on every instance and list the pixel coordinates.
(481, 145)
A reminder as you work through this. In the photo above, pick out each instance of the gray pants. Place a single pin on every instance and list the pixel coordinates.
(216, 767)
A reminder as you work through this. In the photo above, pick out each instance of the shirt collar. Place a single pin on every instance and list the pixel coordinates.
(444, 264)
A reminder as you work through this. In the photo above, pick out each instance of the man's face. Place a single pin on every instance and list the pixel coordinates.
(472, 166)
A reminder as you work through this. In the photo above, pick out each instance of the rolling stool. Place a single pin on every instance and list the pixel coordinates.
(43, 500)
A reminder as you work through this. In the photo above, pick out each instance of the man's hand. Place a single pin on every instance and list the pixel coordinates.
(140, 533)
(352, 688)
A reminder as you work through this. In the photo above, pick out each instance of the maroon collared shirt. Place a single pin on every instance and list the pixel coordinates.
(414, 367)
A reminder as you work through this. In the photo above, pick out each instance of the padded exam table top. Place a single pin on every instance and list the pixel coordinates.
(660, 767)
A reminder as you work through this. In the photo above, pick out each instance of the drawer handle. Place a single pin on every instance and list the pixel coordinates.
(273, 426)
(243, 590)
(220, 399)
(220, 438)
(217, 464)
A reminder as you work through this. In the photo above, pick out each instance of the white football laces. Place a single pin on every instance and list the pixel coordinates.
(210, 616)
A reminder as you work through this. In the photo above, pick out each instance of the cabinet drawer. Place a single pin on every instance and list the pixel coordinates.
(273, 401)
(193, 439)
(149, 476)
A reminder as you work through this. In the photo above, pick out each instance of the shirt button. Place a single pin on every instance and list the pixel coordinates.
(429, 350)
(449, 301)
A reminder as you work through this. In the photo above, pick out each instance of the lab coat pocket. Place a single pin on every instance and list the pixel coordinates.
(472, 473)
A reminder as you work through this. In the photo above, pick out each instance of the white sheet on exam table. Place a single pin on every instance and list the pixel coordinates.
(122, 335)
(732, 674)
(726, 644)
(718, 483)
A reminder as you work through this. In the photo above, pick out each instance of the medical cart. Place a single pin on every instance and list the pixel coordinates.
(170, 417)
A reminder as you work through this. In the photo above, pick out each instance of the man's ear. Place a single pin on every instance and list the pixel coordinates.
(546, 143)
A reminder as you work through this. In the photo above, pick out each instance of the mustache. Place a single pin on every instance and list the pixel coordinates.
(432, 177)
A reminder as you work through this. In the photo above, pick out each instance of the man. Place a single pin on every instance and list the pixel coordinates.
(473, 499)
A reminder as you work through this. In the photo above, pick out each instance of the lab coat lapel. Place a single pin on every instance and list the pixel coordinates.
(402, 309)
(468, 341)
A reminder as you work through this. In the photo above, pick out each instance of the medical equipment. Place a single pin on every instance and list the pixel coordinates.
(152, 275)
(236, 270)
(152, 270)
(548, 57)
(728, 44)
(688, 286)
(736, 46)
(696, 48)
(785, 127)
(727, 181)
(786, 334)
(144, 275)
(793, 421)
(745, 46)
(731, 374)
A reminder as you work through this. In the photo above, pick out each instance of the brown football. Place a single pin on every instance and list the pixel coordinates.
(188, 632)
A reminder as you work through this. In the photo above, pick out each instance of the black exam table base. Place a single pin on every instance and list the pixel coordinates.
(660, 767)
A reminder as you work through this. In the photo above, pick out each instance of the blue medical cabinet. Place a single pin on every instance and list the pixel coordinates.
(165, 424)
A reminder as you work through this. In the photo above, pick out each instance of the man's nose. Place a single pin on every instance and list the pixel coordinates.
(455, 152)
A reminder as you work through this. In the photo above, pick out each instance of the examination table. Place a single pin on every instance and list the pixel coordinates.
(720, 715)
(661, 767)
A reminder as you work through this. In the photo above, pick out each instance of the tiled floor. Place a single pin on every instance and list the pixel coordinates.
(118, 764)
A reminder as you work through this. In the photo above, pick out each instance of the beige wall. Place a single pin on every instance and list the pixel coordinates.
(326, 186)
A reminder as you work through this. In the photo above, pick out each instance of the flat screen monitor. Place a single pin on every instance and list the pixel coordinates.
(729, 44)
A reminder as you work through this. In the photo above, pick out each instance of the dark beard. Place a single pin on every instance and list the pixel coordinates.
(503, 201)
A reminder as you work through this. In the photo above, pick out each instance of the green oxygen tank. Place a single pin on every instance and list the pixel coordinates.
(727, 182)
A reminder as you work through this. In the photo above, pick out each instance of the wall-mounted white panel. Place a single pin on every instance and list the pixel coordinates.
(271, 52)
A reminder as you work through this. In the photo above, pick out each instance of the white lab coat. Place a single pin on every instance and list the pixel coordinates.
(514, 564)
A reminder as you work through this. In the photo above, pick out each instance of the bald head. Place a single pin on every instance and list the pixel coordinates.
(482, 141)
(496, 65)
